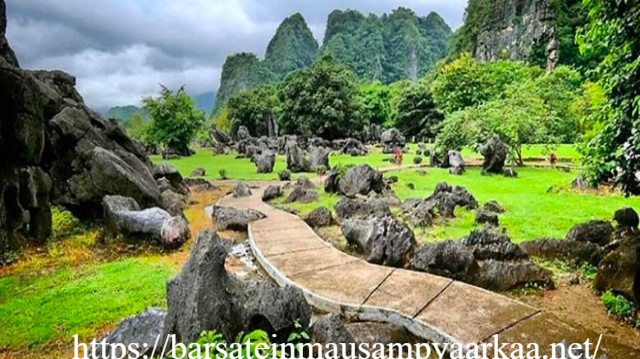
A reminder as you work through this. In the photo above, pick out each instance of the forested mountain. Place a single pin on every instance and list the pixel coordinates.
(205, 101)
(538, 31)
(122, 113)
(292, 47)
(392, 47)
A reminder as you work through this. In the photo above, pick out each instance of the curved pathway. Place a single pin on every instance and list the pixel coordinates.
(431, 307)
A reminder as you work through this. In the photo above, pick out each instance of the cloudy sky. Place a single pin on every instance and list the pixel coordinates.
(120, 50)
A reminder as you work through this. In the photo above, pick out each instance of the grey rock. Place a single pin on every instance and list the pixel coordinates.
(619, 271)
(487, 217)
(301, 195)
(142, 329)
(456, 171)
(200, 184)
(503, 276)
(455, 160)
(374, 133)
(510, 172)
(241, 189)
(598, 232)
(383, 333)
(271, 192)
(296, 160)
(569, 251)
(265, 162)
(319, 217)
(205, 297)
(352, 147)
(319, 156)
(229, 218)
(360, 208)
(305, 183)
(488, 244)
(198, 172)
(329, 329)
(362, 180)
(449, 259)
(123, 215)
(332, 182)
(494, 152)
(173, 203)
(493, 206)
(242, 133)
(391, 140)
(627, 217)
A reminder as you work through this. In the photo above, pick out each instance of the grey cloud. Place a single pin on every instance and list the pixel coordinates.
(120, 50)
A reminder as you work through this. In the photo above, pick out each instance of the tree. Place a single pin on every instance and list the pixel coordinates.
(136, 126)
(254, 109)
(320, 100)
(175, 120)
(614, 152)
(459, 84)
(374, 101)
(416, 113)
(222, 121)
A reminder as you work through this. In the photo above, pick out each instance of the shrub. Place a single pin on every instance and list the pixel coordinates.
(63, 223)
(417, 160)
(284, 175)
(223, 174)
(321, 170)
(617, 305)
(588, 271)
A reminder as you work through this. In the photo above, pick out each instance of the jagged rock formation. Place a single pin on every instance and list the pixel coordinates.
(537, 31)
(392, 47)
(53, 149)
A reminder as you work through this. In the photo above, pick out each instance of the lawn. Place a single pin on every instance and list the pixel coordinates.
(243, 169)
(539, 203)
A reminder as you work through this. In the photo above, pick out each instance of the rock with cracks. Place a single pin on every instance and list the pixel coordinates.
(229, 218)
(241, 190)
(319, 217)
(626, 217)
(361, 208)
(265, 162)
(142, 330)
(494, 152)
(598, 232)
(362, 180)
(272, 192)
(123, 216)
(205, 297)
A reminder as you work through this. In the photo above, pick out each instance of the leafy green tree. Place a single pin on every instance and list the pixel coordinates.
(222, 122)
(416, 113)
(320, 100)
(374, 99)
(614, 152)
(253, 109)
(459, 84)
(175, 120)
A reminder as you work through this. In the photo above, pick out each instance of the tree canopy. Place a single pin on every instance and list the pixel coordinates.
(320, 100)
(175, 120)
(253, 109)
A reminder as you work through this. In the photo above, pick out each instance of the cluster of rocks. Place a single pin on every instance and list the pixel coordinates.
(54, 149)
(614, 250)
(452, 160)
(351, 147)
(304, 191)
(441, 204)
(484, 258)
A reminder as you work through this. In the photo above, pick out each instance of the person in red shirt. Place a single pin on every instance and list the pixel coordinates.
(397, 154)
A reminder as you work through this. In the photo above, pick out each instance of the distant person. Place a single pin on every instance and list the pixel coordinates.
(553, 159)
(397, 154)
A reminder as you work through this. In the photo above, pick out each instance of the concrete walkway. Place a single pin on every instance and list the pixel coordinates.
(431, 307)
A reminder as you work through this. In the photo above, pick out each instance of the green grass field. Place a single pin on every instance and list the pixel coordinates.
(539, 203)
(243, 169)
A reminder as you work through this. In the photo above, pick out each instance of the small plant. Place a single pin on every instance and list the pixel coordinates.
(588, 271)
(223, 174)
(298, 336)
(342, 169)
(617, 305)
(321, 170)
(284, 175)
(417, 160)
(63, 223)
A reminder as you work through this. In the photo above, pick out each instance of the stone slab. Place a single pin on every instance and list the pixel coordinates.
(271, 247)
(472, 314)
(313, 260)
(349, 284)
(408, 292)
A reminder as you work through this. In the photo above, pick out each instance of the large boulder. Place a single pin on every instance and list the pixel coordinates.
(362, 180)
(392, 140)
(242, 133)
(241, 189)
(619, 271)
(374, 133)
(302, 195)
(319, 157)
(229, 218)
(385, 241)
(449, 259)
(142, 330)
(360, 208)
(172, 175)
(627, 217)
(503, 276)
(446, 198)
(456, 163)
(352, 147)
(329, 329)
(265, 162)
(319, 217)
(494, 152)
(489, 244)
(570, 251)
(123, 216)
(332, 182)
(205, 297)
(598, 232)
(487, 217)
(272, 192)
(296, 160)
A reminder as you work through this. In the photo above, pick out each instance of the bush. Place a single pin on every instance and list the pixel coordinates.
(417, 160)
(321, 170)
(223, 174)
(617, 305)
(63, 223)
(284, 175)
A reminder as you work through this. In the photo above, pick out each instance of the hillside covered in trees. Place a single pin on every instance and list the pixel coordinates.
(387, 48)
